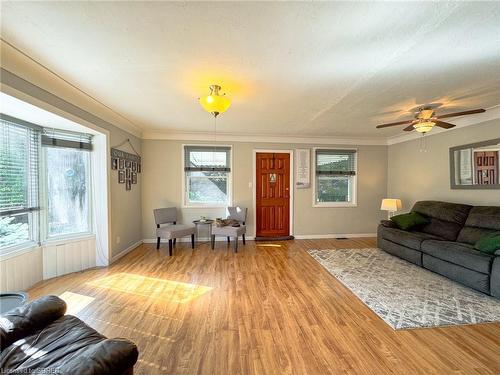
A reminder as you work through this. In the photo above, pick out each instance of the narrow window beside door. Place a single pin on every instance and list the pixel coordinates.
(335, 178)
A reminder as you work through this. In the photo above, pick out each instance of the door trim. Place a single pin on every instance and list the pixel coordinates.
(292, 185)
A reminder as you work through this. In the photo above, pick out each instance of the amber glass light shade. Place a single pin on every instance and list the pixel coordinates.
(424, 127)
(215, 103)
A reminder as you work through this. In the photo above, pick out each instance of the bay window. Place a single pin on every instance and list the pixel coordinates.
(335, 178)
(207, 176)
(44, 183)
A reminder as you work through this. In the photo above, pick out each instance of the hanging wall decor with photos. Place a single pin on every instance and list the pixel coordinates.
(128, 165)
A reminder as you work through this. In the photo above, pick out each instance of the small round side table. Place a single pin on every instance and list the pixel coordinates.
(208, 222)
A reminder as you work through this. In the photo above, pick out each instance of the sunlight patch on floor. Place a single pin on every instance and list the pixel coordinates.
(168, 290)
(135, 330)
(75, 302)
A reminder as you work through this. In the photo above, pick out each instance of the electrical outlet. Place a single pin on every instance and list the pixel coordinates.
(118, 239)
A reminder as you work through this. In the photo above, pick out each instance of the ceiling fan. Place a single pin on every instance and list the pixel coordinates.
(426, 119)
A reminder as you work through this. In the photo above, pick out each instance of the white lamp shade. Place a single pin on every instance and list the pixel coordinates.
(390, 204)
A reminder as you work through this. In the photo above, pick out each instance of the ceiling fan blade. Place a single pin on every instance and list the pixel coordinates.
(444, 125)
(395, 123)
(409, 128)
(471, 112)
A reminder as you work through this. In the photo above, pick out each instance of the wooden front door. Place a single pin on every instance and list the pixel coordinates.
(486, 164)
(273, 194)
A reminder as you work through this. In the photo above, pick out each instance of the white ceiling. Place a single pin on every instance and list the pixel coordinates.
(302, 69)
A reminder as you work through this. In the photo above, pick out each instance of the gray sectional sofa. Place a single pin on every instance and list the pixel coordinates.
(446, 244)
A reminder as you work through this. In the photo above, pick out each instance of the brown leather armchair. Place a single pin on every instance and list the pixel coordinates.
(38, 337)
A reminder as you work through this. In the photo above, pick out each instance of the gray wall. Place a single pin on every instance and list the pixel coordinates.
(126, 208)
(415, 175)
(162, 187)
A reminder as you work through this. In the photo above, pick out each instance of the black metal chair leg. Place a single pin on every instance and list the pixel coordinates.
(243, 237)
(213, 241)
(192, 241)
(157, 243)
(175, 241)
(228, 239)
(170, 247)
(236, 244)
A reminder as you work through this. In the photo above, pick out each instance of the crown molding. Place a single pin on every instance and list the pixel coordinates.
(25, 74)
(491, 113)
(15, 86)
(261, 138)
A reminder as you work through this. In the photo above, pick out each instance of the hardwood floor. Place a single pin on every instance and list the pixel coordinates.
(269, 309)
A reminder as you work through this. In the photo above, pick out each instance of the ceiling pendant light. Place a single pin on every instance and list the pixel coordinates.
(215, 103)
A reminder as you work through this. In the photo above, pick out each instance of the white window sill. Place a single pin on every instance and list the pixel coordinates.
(67, 239)
(335, 204)
(211, 206)
(18, 250)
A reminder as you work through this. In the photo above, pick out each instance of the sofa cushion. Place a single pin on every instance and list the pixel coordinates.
(482, 220)
(403, 252)
(458, 253)
(61, 347)
(484, 217)
(444, 229)
(446, 219)
(450, 212)
(472, 279)
(412, 240)
(471, 235)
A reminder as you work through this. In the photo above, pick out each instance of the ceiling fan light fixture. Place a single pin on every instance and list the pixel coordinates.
(215, 103)
(424, 126)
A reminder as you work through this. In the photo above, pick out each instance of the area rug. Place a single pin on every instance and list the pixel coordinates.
(404, 295)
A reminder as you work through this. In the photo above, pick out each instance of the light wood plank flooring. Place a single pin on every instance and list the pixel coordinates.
(270, 309)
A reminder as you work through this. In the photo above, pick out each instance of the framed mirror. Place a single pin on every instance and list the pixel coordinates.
(476, 165)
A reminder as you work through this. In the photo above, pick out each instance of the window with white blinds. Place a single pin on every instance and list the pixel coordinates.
(19, 155)
(335, 177)
(207, 179)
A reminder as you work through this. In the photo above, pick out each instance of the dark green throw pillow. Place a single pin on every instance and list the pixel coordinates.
(408, 221)
(489, 243)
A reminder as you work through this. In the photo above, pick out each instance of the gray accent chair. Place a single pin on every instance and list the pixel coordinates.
(235, 213)
(446, 244)
(167, 227)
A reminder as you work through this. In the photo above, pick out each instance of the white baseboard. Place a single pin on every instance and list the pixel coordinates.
(345, 235)
(126, 251)
(187, 239)
(297, 237)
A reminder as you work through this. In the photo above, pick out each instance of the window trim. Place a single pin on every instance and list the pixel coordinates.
(44, 199)
(229, 202)
(354, 188)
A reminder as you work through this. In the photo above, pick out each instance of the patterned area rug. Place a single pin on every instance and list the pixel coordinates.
(405, 295)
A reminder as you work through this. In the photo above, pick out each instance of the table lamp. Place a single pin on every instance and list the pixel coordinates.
(390, 205)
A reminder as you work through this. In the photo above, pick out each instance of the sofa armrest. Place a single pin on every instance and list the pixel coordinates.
(24, 320)
(388, 223)
(110, 356)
